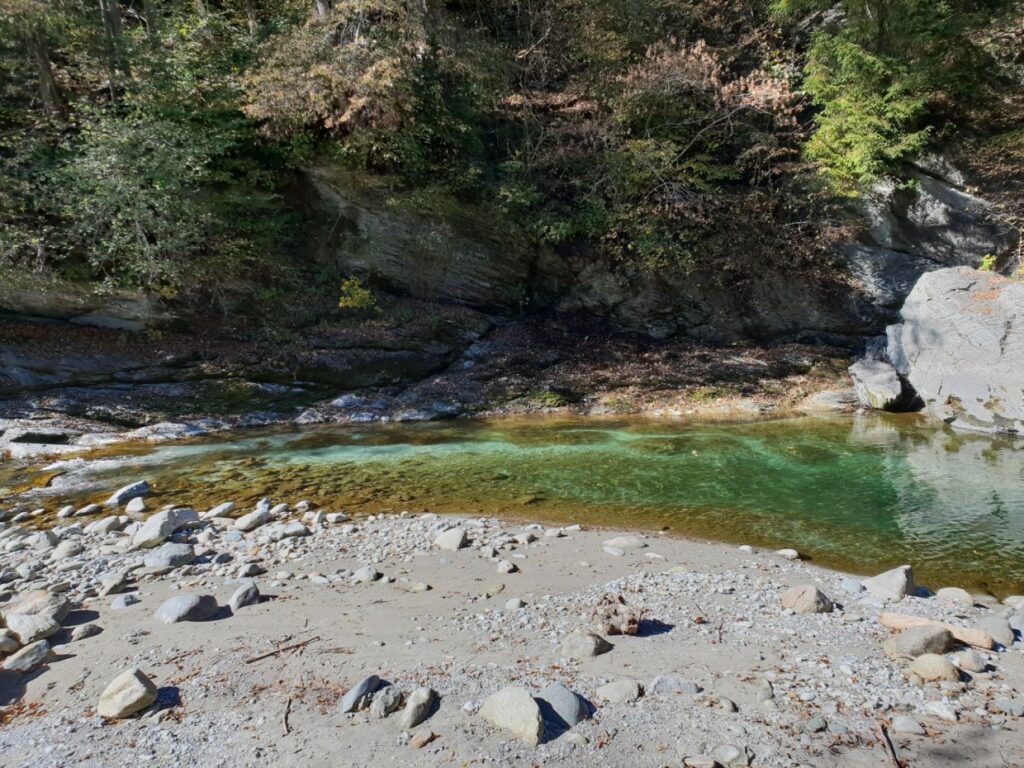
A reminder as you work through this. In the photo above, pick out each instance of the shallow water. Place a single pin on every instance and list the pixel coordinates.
(859, 493)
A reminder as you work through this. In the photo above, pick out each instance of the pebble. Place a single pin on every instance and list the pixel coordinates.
(623, 691)
(358, 697)
(186, 608)
(894, 584)
(246, 594)
(806, 598)
(581, 644)
(418, 707)
(451, 540)
(906, 724)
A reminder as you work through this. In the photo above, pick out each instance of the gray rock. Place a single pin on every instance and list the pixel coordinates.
(84, 631)
(132, 491)
(253, 520)
(852, 586)
(970, 661)
(8, 642)
(28, 658)
(815, 725)
(30, 627)
(668, 685)
(930, 668)
(159, 527)
(186, 608)
(358, 697)
(128, 693)
(561, 708)
(170, 555)
(66, 549)
(418, 707)
(999, 628)
(136, 506)
(246, 594)
(385, 701)
(1012, 707)
(626, 542)
(581, 644)
(121, 602)
(1016, 620)
(877, 385)
(513, 709)
(620, 691)
(961, 346)
(894, 584)
(365, 575)
(917, 641)
(955, 595)
(451, 540)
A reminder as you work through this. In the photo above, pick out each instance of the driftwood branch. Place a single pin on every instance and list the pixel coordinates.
(277, 651)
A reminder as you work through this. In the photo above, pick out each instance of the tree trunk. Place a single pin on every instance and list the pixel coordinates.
(250, 15)
(111, 15)
(49, 91)
(152, 23)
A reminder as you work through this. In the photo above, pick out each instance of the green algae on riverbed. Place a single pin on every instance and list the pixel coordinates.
(858, 493)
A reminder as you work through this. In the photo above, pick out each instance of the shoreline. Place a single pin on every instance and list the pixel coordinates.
(750, 677)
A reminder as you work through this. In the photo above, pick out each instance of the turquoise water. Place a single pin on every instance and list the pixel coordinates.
(860, 493)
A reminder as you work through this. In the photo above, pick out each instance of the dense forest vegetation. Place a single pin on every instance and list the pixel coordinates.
(149, 142)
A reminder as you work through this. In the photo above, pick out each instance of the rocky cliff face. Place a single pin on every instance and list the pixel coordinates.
(961, 347)
(908, 231)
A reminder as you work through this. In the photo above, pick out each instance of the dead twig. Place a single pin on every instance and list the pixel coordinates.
(287, 709)
(277, 651)
(890, 750)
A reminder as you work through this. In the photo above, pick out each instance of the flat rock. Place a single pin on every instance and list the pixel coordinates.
(253, 520)
(513, 709)
(581, 644)
(806, 598)
(669, 685)
(917, 641)
(186, 608)
(451, 540)
(28, 658)
(128, 693)
(955, 595)
(622, 691)
(170, 555)
(908, 725)
(894, 584)
(30, 627)
(626, 542)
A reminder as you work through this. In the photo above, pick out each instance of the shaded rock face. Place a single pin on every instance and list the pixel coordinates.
(80, 305)
(961, 346)
(462, 258)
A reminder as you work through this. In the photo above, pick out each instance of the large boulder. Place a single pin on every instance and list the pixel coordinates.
(961, 346)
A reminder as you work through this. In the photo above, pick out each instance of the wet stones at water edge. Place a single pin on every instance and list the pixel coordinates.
(894, 584)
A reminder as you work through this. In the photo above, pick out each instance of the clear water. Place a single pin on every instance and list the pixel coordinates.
(859, 493)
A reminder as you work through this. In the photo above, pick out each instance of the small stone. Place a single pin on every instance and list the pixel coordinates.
(626, 542)
(121, 602)
(28, 658)
(667, 685)
(8, 642)
(623, 691)
(451, 540)
(581, 644)
(788, 554)
(246, 594)
(1011, 707)
(186, 608)
(894, 584)
(420, 739)
(418, 707)
(358, 697)
(611, 616)
(852, 586)
(159, 527)
(970, 661)
(385, 701)
(127, 493)
(366, 575)
(930, 667)
(83, 631)
(170, 555)
(955, 595)
(806, 598)
(128, 693)
(136, 506)
(66, 549)
(815, 725)
(513, 709)
(504, 566)
(917, 641)
(254, 519)
(908, 725)
(514, 604)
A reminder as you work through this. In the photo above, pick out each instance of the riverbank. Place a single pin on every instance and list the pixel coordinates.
(726, 671)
